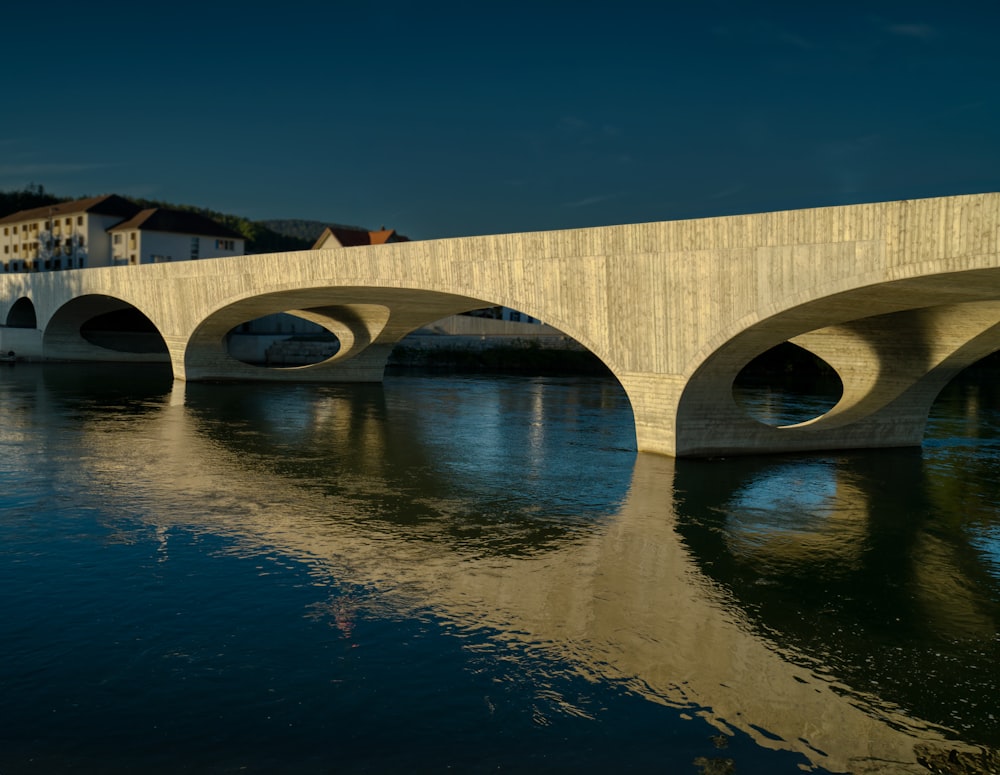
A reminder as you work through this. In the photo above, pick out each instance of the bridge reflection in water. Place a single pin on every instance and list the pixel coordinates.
(669, 595)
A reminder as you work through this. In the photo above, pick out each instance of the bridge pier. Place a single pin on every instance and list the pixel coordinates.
(654, 399)
(892, 368)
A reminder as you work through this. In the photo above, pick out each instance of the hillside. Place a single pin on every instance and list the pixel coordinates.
(28, 198)
(300, 229)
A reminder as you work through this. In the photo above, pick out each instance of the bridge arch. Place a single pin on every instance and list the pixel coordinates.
(892, 365)
(367, 321)
(22, 314)
(99, 327)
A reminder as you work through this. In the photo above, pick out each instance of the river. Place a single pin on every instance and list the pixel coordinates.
(480, 573)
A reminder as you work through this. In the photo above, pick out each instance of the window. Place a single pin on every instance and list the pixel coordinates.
(6, 231)
(15, 229)
(194, 247)
(79, 220)
(118, 239)
(69, 221)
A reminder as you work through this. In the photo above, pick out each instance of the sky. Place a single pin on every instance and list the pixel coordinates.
(454, 119)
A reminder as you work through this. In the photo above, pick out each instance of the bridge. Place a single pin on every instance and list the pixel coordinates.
(897, 297)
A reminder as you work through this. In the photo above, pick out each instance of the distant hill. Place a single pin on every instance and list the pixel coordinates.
(267, 236)
(300, 229)
(295, 228)
(27, 199)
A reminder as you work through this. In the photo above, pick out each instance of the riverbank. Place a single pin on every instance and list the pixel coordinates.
(514, 356)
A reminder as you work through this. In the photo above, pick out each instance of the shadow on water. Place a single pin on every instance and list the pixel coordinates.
(880, 568)
(849, 562)
(839, 609)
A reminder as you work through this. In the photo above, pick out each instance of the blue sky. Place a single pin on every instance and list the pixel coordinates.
(442, 119)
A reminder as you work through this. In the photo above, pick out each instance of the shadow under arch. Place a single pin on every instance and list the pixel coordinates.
(96, 327)
(787, 385)
(891, 367)
(22, 314)
(368, 323)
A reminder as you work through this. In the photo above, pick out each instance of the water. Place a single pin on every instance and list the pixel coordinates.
(480, 574)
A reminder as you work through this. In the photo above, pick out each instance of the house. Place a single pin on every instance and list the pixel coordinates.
(67, 235)
(156, 235)
(108, 230)
(350, 237)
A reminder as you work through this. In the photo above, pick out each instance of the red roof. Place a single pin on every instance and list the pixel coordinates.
(350, 237)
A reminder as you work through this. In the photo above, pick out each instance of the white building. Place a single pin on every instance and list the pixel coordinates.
(105, 231)
(67, 235)
(157, 235)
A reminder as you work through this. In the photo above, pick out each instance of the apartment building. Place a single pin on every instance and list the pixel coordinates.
(108, 230)
(157, 235)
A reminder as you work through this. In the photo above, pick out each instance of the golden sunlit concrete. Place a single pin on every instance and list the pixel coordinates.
(675, 309)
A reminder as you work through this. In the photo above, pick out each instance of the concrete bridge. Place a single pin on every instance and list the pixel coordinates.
(897, 297)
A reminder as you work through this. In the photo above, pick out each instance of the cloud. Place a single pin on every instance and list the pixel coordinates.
(729, 191)
(764, 33)
(142, 190)
(38, 170)
(573, 123)
(591, 200)
(915, 31)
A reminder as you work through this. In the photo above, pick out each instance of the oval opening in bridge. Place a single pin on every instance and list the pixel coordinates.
(281, 341)
(787, 385)
(125, 331)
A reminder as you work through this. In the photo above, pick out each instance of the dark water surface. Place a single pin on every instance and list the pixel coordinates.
(480, 574)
